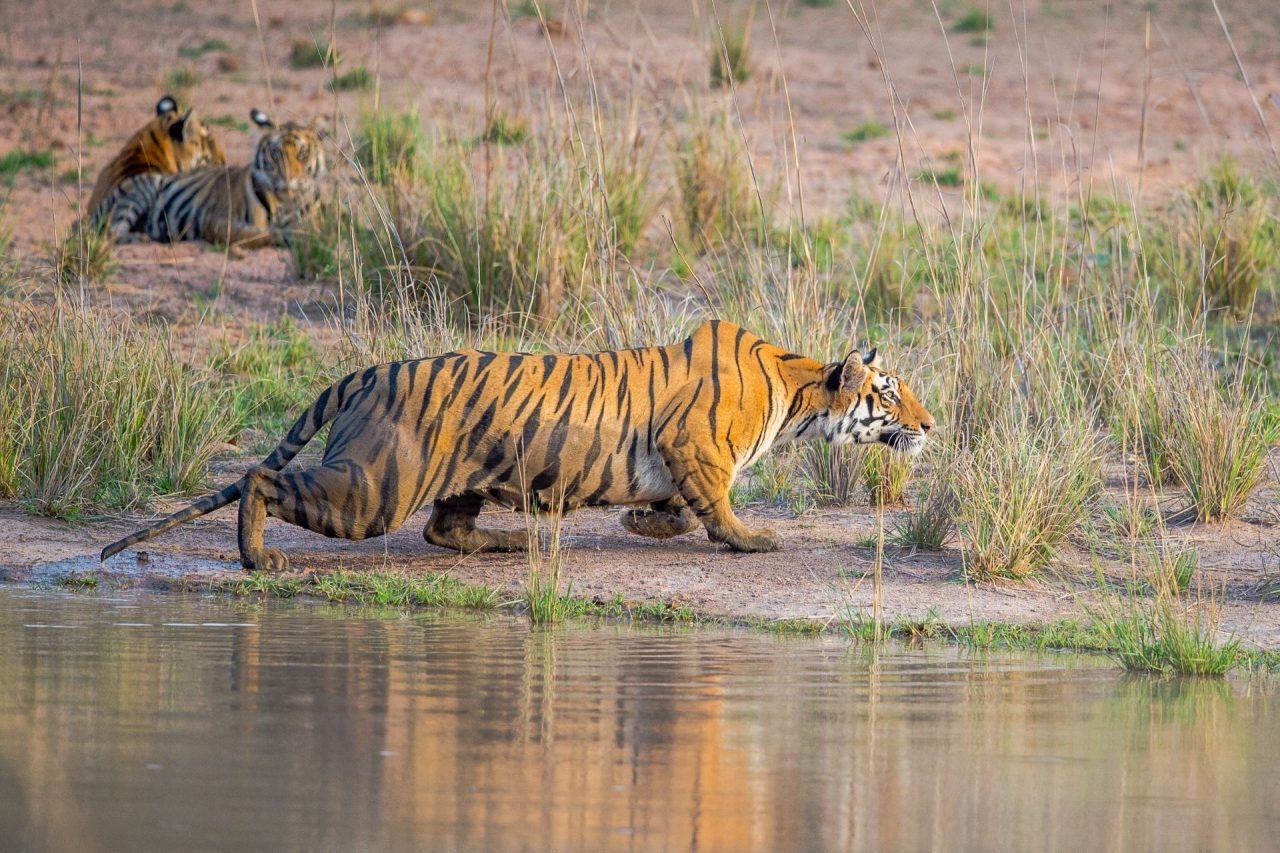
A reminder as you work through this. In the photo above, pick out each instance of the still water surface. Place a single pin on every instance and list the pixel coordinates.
(195, 723)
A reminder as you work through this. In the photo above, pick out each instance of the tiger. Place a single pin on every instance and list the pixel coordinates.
(126, 188)
(662, 431)
(247, 206)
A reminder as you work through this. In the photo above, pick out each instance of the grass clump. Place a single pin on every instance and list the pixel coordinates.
(397, 590)
(974, 20)
(1196, 431)
(1217, 447)
(867, 130)
(831, 471)
(719, 201)
(23, 160)
(1019, 492)
(99, 413)
(358, 79)
(951, 177)
(319, 244)
(502, 129)
(181, 80)
(390, 145)
(523, 243)
(200, 48)
(229, 122)
(545, 603)
(730, 51)
(1215, 248)
(309, 53)
(932, 519)
(1165, 637)
(273, 372)
(85, 256)
(387, 589)
(885, 473)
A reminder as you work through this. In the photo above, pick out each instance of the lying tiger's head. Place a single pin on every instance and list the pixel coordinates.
(866, 405)
(177, 141)
(289, 160)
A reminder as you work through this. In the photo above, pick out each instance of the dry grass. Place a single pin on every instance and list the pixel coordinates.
(98, 412)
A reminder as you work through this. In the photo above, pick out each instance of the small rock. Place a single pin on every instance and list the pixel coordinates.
(417, 17)
(143, 558)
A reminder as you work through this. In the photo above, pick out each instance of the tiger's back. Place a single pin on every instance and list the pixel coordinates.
(127, 187)
(246, 206)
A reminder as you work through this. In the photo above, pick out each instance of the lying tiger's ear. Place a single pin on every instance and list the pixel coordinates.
(319, 127)
(261, 119)
(178, 130)
(872, 359)
(167, 104)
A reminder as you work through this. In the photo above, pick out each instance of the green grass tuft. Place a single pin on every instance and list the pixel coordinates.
(730, 52)
(974, 20)
(357, 79)
(200, 48)
(308, 53)
(867, 130)
(22, 160)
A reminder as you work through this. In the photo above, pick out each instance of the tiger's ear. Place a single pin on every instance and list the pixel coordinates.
(872, 359)
(854, 370)
(178, 130)
(320, 127)
(167, 104)
(261, 119)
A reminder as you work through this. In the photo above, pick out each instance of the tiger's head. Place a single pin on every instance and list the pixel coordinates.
(289, 160)
(176, 141)
(867, 405)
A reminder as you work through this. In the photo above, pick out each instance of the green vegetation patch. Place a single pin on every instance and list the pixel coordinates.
(23, 160)
(867, 130)
(975, 20)
(200, 48)
(357, 79)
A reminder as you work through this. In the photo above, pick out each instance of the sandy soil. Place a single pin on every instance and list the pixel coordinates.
(1059, 106)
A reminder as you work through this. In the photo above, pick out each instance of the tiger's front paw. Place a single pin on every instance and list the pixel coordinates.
(757, 542)
(268, 560)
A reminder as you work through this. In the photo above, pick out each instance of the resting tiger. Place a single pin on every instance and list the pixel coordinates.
(663, 428)
(126, 188)
(245, 206)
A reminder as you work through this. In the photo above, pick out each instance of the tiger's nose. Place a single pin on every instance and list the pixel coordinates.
(926, 425)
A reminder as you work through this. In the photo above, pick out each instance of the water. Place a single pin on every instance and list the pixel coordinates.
(172, 722)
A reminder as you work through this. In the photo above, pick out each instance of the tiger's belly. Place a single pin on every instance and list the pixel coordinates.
(583, 470)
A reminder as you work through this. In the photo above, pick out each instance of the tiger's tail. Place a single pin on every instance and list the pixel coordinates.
(323, 410)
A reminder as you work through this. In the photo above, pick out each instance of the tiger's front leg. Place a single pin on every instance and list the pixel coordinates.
(704, 485)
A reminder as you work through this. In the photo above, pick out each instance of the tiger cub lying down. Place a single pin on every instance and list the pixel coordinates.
(248, 206)
(173, 141)
(663, 429)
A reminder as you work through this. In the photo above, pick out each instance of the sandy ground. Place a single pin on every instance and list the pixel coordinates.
(1059, 104)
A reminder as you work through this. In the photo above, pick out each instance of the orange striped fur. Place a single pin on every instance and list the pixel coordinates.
(247, 206)
(170, 143)
(662, 429)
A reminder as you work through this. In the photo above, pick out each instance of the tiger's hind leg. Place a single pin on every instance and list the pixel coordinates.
(333, 499)
(661, 519)
(453, 525)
